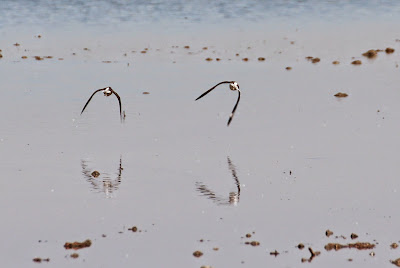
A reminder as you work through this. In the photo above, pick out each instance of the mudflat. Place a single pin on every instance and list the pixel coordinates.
(307, 171)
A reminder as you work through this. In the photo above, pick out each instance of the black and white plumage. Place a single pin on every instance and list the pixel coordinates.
(107, 91)
(233, 85)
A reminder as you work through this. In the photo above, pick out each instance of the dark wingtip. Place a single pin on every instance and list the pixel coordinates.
(229, 121)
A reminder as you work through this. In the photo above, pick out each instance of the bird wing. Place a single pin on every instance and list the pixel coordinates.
(208, 91)
(91, 98)
(120, 105)
(234, 108)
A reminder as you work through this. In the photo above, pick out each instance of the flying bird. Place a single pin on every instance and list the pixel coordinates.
(233, 85)
(107, 91)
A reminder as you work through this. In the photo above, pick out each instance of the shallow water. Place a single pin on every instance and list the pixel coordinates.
(295, 161)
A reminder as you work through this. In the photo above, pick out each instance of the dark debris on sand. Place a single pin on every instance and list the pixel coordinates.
(340, 95)
(313, 255)
(353, 235)
(197, 254)
(133, 229)
(315, 60)
(78, 245)
(252, 243)
(39, 260)
(396, 262)
(328, 233)
(389, 50)
(372, 53)
(274, 253)
(300, 246)
(312, 59)
(358, 245)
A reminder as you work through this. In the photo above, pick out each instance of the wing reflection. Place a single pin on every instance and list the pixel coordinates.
(102, 181)
(232, 199)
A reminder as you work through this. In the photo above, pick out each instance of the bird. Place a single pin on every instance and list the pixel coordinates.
(234, 86)
(107, 91)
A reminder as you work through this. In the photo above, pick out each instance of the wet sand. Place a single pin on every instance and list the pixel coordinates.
(295, 161)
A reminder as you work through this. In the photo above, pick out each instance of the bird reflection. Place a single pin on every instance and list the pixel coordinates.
(102, 181)
(232, 199)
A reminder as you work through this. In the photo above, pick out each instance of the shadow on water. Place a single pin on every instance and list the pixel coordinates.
(102, 182)
(232, 199)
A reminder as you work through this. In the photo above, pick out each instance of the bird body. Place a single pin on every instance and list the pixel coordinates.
(107, 91)
(234, 86)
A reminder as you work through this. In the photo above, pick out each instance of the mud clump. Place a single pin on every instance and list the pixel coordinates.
(24, 57)
(95, 174)
(335, 62)
(312, 59)
(353, 235)
(300, 246)
(341, 95)
(359, 246)
(197, 254)
(328, 233)
(208, 59)
(274, 253)
(38, 58)
(356, 62)
(74, 255)
(245, 59)
(389, 50)
(252, 243)
(288, 68)
(315, 60)
(78, 245)
(396, 262)
(39, 260)
(313, 255)
(133, 229)
(261, 59)
(394, 245)
(371, 54)
(248, 235)
(217, 59)
(146, 93)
